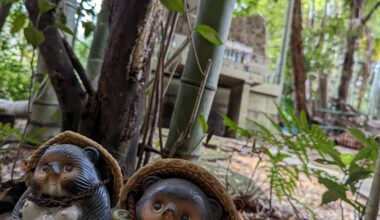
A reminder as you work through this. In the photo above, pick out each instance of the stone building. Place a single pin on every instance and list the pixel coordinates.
(243, 90)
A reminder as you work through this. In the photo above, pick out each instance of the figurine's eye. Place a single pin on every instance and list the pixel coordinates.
(44, 167)
(157, 206)
(185, 217)
(69, 168)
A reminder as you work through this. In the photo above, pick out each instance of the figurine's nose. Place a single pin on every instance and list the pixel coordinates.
(55, 167)
(169, 212)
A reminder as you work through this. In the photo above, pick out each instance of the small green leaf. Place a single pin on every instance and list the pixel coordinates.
(346, 158)
(33, 36)
(203, 122)
(174, 5)
(323, 161)
(63, 28)
(88, 28)
(209, 34)
(45, 6)
(357, 173)
(62, 18)
(18, 23)
(329, 196)
(333, 186)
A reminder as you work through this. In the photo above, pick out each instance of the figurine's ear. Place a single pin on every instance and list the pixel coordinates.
(92, 154)
(148, 181)
(216, 208)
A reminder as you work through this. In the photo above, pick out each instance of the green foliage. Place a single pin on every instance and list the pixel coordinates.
(14, 58)
(209, 34)
(174, 5)
(63, 28)
(45, 6)
(301, 138)
(203, 123)
(89, 27)
(34, 36)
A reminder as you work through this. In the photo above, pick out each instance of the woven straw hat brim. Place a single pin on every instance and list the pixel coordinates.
(170, 168)
(106, 164)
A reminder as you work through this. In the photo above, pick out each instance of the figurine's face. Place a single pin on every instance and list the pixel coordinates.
(65, 169)
(175, 199)
(165, 206)
(53, 172)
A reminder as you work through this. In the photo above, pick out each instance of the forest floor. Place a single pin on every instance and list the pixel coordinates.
(234, 156)
(234, 164)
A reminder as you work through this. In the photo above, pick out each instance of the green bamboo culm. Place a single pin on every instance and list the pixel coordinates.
(372, 207)
(98, 46)
(218, 15)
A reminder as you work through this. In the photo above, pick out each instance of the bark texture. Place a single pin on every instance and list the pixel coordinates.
(355, 22)
(70, 94)
(299, 76)
(112, 115)
(4, 12)
(365, 70)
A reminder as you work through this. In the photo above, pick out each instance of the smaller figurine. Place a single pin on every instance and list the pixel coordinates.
(178, 190)
(64, 181)
(175, 198)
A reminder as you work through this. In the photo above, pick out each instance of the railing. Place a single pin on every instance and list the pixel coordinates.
(237, 56)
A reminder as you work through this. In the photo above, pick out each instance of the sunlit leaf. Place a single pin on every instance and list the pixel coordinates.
(174, 5)
(209, 34)
(203, 122)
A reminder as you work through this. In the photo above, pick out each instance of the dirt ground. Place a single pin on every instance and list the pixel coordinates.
(232, 162)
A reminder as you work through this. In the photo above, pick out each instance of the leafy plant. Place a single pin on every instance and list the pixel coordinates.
(300, 138)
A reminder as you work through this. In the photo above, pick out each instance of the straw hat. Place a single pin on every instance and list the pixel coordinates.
(106, 165)
(170, 168)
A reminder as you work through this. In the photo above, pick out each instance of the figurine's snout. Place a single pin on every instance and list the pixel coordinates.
(55, 168)
(169, 212)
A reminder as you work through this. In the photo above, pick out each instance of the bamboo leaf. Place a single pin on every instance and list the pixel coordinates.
(209, 34)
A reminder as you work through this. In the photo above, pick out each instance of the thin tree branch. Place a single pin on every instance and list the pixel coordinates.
(186, 132)
(79, 68)
(366, 18)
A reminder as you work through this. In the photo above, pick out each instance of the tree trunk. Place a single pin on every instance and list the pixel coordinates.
(372, 207)
(46, 116)
(365, 69)
(112, 115)
(299, 76)
(4, 12)
(69, 92)
(323, 89)
(354, 25)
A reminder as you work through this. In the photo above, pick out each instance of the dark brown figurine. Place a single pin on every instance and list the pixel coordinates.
(174, 189)
(65, 184)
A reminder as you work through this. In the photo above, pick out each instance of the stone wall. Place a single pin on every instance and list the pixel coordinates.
(250, 31)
